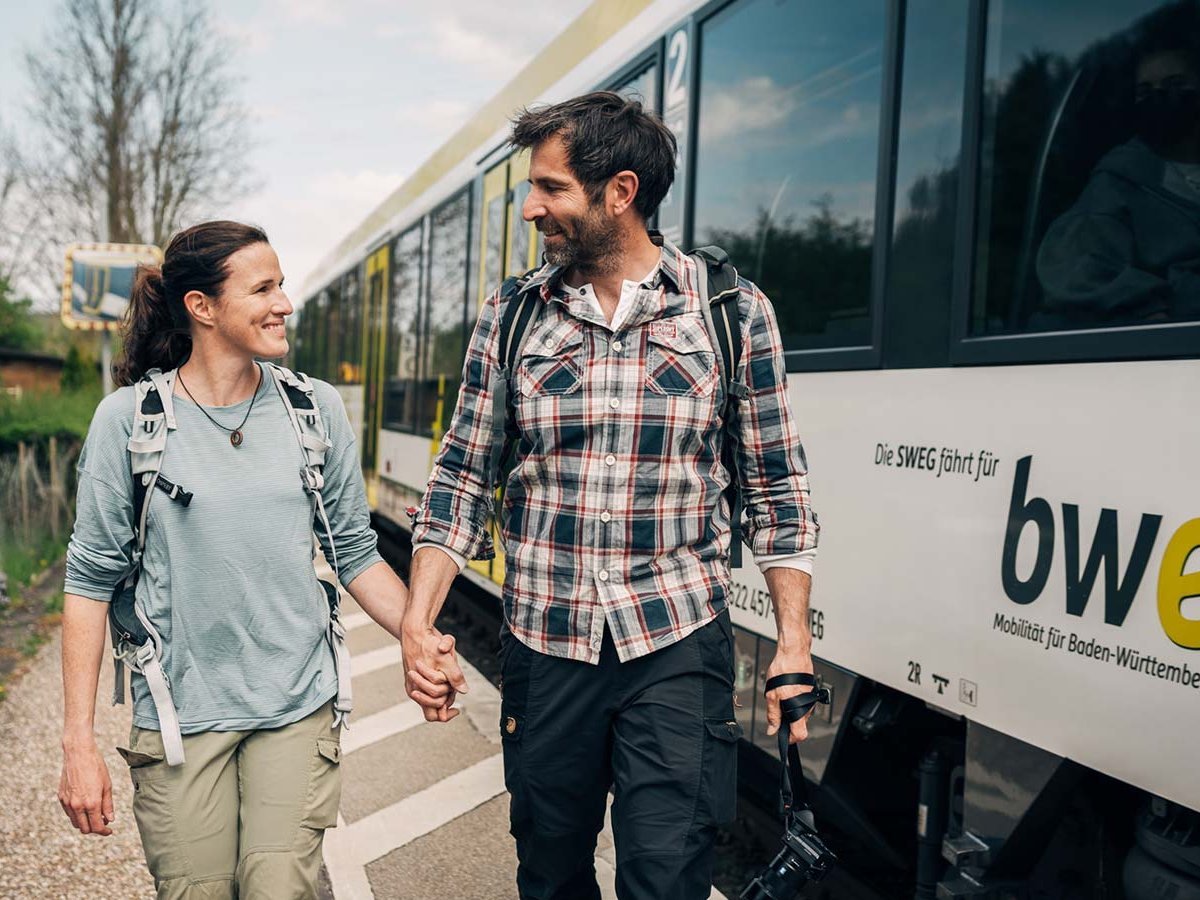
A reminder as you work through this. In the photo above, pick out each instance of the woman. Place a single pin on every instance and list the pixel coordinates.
(226, 581)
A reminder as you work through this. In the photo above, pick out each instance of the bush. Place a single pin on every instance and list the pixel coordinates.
(35, 418)
(80, 372)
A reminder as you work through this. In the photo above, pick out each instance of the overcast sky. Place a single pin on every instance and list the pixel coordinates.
(347, 98)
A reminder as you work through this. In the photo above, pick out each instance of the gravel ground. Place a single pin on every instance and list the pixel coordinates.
(41, 855)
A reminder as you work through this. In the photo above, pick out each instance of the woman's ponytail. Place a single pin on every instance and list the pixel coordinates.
(156, 330)
(154, 337)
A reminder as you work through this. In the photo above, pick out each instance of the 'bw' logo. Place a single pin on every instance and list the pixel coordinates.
(1174, 584)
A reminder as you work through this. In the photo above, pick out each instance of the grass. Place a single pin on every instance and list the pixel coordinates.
(37, 417)
(22, 561)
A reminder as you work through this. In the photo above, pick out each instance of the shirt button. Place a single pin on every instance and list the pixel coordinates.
(610, 460)
(602, 575)
(614, 403)
(549, 342)
(605, 516)
(618, 346)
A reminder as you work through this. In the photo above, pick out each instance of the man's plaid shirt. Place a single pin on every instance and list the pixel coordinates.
(614, 512)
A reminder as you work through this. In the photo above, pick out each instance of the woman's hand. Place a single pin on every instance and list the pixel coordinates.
(85, 790)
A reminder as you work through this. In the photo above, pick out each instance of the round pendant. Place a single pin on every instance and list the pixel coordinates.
(235, 437)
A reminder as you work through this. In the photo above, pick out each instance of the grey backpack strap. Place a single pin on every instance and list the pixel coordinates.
(136, 642)
(717, 281)
(296, 391)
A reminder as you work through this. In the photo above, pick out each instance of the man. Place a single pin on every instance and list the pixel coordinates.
(617, 654)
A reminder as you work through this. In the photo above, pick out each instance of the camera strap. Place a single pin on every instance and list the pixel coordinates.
(792, 792)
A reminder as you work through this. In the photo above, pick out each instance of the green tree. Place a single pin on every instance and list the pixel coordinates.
(79, 370)
(18, 329)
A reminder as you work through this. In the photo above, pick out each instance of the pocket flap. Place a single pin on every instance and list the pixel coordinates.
(727, 730)
(552, 339)
(330, 749)
(135, 759)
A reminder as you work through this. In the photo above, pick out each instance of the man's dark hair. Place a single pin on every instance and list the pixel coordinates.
(606, 133)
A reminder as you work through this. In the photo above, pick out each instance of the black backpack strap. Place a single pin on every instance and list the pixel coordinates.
(521, 309)
(719, 297)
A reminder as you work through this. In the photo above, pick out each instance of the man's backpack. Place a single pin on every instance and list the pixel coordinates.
(136, 642)
(719, 294)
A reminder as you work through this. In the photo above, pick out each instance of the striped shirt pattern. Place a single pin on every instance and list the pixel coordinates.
(614, 511)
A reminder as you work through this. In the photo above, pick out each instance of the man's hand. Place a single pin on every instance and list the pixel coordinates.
(432, 675)
(85, 790)
(787, 661)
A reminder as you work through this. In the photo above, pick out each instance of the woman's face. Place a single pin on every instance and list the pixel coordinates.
(250, 312)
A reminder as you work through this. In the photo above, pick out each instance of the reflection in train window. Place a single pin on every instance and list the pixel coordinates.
(1090, 169)
(330, 344)
(786, 157)
(444, 323)
(494, 252)
(929, 138)
(350, 363)
(401, 362)
(643, 87)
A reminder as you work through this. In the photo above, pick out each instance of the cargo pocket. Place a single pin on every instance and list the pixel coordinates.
(325, 788)
(154, 808)
(516, 663)
(720, 770)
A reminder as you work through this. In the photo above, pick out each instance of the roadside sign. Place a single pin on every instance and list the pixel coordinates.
(98, 282)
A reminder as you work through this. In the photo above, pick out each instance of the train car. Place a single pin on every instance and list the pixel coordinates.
(986, 283)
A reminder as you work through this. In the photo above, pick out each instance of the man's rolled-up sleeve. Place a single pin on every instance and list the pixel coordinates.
(458, 498)
(773, 468)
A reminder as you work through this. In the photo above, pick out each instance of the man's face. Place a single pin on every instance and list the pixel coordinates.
(575, 231)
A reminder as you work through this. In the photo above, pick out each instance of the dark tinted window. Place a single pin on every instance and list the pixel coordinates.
(329, 343)
(643, 87)
(447, 298)
(350, 362)
(403, 342)
(786, 160)
(1089, 209)
(921, 266)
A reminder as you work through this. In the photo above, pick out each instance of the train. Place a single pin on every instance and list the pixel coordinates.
(991, 334)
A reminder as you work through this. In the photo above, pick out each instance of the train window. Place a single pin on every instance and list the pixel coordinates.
(403, 345)
(786, 157)
(448, 236)
(494, 198)
(1089, 192)
(350, 363)
(924, 226)
(518, 229)
(331, 316)
(642, 87)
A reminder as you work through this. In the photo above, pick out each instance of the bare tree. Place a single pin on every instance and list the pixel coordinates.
(21, 237)
(139, 119)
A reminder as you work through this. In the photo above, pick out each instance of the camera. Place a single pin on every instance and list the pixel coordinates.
(804, 858)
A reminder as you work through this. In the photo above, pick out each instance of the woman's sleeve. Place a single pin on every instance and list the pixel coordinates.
(344, 496)
(100, 551)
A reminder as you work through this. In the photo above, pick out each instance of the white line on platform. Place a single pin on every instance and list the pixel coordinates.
(373, 661)
(372, 729)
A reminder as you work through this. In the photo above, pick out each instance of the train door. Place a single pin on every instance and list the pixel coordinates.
(374, 335)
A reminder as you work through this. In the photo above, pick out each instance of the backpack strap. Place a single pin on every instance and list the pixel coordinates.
(296, 391)
(136, 643)
(719, 296)
(522, 307)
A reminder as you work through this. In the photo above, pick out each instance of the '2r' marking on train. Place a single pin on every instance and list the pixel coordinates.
(1175, 586)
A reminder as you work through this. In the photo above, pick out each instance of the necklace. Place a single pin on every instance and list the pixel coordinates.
(235, 434)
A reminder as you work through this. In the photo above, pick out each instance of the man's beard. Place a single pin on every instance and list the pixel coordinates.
(593, 247)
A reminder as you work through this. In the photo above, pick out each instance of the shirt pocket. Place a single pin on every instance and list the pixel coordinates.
(679, 358)
(551, 363)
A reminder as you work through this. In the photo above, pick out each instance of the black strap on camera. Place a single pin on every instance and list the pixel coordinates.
(792, 794)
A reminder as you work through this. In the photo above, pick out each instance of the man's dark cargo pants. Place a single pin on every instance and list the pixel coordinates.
(659, 730)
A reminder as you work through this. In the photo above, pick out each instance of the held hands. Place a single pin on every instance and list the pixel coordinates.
(432, 676)
(786, 661)
(85, 790)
